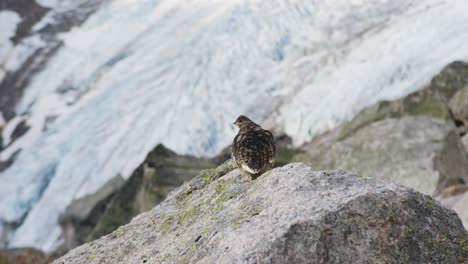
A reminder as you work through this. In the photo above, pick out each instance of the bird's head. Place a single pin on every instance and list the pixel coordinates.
(243, 122)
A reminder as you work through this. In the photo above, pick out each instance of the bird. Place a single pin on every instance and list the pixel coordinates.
(253, 149)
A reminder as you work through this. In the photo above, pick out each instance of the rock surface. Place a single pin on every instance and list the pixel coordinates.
(419, 152)
(162, 171)
(291, 214)
(465, 142)
(434, 100)
(82, 215)
(459, 105)
(117, 202)
(407, 140)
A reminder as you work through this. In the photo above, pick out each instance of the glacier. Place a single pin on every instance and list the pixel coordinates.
(8, 25)
(138, 73)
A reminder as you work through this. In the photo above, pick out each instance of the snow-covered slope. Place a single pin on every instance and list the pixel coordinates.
(8, 25)
(179, 71)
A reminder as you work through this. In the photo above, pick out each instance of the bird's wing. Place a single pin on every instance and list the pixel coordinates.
(271, 139)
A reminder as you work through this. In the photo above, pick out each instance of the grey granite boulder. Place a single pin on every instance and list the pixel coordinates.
(420, 152)
(117, 202)
(465, 142)
(459, 105)
(291, 214)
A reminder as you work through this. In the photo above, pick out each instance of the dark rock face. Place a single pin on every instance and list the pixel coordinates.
(30, 13)
(291, 214)
(117, 202)
(82, 215)
(162, 172)
(10, 88)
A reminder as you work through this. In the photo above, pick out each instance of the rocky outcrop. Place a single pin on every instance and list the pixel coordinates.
(82, 215)
(118, 202)
(459, 105)
(419, 152)
(444, 91)
(415, 141)
(465, 142)
(291, 214)
(161, 172)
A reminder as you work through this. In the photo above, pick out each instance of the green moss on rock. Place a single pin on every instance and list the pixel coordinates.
(161, 172)
(285, 155)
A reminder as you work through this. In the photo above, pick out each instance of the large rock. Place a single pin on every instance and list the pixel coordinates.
(420, 152)
(448, 88)
(291, 214)
(459, 105)
(389, 141)
(162, 171)
(465, 142)
(82, 215)
(117, 202)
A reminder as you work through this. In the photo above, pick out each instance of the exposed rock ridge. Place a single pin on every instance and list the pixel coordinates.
(291, 214)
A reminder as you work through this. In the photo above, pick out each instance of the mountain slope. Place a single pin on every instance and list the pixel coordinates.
(138, 73)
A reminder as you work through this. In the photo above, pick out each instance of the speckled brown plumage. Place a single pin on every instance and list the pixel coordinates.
(253, 149)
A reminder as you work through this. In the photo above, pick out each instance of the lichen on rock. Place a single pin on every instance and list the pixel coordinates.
(291, 214)
(117, 202)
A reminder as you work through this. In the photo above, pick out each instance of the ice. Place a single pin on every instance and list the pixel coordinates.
(61, 5)
(13, 56)
(23, 51)
(389, 62)
(138, 73)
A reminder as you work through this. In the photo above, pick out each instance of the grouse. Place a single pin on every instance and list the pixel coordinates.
(253, 149)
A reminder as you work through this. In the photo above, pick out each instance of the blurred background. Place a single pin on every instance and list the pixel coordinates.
(108, 105)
